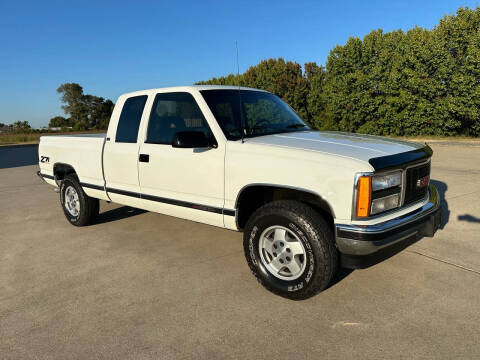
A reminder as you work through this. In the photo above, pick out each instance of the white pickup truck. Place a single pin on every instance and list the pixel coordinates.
(240, 158)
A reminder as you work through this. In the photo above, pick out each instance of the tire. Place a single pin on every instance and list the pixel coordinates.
(88, 208)
(305, 230)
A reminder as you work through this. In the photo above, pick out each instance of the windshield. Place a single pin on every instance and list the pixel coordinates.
(263, 113)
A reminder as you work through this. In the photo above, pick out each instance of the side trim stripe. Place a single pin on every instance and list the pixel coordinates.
(123, 192)
(175, 202)
(182, 203)
(91, 186)
(229, 212)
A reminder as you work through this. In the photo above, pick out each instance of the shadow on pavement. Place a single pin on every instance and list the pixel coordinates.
(118, 214)
(469, 218)
(341, 274)
(366, 261)
(442, 189)
(18, 155)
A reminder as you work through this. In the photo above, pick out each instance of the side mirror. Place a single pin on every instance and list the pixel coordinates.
(190, 139)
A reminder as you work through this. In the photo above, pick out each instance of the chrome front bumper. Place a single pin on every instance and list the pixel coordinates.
(369, 239)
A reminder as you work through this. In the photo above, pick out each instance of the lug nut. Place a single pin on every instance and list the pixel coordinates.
(275, 254)
(287, 258)
(281, 244)
(288, 250)
(281, 261)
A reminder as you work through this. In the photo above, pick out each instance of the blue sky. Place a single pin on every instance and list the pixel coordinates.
(112, 47)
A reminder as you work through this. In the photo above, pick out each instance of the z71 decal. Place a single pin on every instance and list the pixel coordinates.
(44, 159)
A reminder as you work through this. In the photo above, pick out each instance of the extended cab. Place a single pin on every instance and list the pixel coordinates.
(242, 159)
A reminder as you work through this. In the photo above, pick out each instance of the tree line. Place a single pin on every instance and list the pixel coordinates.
(418, 82)
(16, 127)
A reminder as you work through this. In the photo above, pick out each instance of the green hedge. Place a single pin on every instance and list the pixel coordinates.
(419, 82)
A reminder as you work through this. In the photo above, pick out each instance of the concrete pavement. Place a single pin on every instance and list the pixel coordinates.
(146, 286)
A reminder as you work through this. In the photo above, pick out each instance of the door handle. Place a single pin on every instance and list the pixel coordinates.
(144, 158)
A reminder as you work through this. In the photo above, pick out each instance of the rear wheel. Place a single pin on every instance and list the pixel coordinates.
(290, 249)
(78, 207)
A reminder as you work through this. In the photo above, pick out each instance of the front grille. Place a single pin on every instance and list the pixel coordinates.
(413, 192)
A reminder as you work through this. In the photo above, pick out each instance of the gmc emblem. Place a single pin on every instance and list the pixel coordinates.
(422, 182)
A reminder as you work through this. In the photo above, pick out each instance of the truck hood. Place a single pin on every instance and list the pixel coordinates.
(355, 146)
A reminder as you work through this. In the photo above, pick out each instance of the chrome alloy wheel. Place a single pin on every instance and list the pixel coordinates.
(282, 253)
(72, 203)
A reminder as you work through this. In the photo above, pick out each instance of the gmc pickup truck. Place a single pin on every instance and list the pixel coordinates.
(242, 159)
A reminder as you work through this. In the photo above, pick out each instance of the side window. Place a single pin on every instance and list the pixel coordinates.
(127, 128)
(174, 112)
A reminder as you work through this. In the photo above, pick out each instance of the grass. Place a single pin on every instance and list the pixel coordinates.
(33, 138)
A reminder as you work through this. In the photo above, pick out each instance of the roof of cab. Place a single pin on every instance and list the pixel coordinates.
(189, 88)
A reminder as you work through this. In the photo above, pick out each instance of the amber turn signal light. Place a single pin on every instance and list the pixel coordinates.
(364, 191)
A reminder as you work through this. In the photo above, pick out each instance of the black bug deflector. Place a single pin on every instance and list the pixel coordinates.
(401, 160)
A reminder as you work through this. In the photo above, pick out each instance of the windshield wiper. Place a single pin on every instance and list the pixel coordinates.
(258, 127)
(251, 128)
(295, 126)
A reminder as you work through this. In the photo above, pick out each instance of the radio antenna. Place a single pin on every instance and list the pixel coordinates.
(242, 120)
(238, 64)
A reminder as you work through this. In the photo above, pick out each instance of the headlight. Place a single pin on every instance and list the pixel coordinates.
(380, 182)
(378, 193)
(385, 203)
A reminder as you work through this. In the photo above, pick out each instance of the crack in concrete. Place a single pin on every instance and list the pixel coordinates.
(445, 262)
(457, 196)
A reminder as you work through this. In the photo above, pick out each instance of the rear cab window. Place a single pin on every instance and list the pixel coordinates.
(129, 121)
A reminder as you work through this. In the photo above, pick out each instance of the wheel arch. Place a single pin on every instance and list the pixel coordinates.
(253, 196)
(60, 170)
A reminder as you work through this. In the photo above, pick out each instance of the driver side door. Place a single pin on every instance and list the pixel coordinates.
(183, 182)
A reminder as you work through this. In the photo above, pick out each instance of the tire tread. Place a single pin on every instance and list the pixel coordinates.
(89, 207)
(315, 224)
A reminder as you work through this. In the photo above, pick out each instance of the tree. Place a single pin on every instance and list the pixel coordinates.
(316, 101)
(59, 121)
(72, 98)
(86, 111)
(21, 127)
(102, 114)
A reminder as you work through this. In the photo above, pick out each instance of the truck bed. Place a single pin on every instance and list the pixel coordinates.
(81, 151)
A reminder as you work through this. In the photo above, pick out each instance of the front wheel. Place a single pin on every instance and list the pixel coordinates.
(290, 249)
(78, 207)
